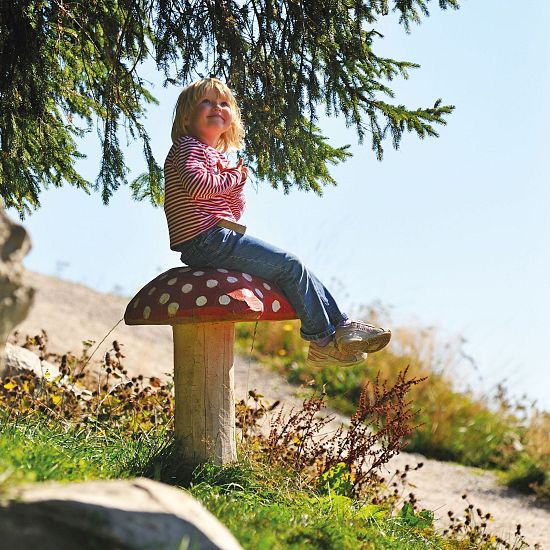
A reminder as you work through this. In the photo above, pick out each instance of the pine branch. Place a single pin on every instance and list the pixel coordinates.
(65, 66)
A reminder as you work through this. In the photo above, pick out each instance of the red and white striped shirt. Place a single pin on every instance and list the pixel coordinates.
(196, 194)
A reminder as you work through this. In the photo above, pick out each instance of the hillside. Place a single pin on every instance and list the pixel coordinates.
(71, 313)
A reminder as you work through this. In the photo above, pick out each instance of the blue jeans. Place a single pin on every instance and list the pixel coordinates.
(221, 247)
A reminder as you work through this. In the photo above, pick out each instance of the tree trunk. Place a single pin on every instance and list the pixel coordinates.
(204, 391)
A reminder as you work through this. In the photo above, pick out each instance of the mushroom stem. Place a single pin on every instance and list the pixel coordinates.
(204, 392)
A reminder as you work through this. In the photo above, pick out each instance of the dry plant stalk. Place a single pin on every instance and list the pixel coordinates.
(382, 421)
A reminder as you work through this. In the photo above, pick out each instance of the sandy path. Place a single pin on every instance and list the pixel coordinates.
(71, 313)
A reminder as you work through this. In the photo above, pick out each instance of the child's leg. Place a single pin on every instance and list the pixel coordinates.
(313, 303)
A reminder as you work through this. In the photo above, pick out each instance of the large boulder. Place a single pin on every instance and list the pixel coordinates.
(108, 515)
(15, 296)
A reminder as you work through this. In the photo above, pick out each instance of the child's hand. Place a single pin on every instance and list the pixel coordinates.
(243, 169)
(221, 167)
(224, 167)
(240, 166)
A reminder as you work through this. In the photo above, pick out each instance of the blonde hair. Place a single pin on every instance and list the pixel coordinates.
(189, 98)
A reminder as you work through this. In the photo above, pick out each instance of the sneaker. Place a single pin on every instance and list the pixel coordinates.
(327, 356)
(361, 337)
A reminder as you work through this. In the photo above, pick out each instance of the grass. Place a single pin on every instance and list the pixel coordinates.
(288, 490)
(36, 448)
(263, 505)
(32, 449)
(455, 425)
(277, 515)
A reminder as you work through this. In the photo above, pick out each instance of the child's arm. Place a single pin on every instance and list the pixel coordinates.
(237, 200)
(198, 180)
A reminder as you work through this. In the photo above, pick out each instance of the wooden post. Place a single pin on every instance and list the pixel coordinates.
(204, 392)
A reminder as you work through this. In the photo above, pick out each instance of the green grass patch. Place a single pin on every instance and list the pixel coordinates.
(265, 510)
(35, 449)
(264, 507)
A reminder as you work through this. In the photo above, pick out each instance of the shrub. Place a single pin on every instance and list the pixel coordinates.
(457, 425)
(531, 470)
(84, 396)
(350, 457)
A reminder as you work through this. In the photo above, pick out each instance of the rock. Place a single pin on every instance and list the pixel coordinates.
(15, 297)
(18, 360)
(117, 514)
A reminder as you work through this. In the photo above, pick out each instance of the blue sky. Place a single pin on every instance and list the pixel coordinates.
(451, 232)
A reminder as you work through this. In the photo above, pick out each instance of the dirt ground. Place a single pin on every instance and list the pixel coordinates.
(72, 313)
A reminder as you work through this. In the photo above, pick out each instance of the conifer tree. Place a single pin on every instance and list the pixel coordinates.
(67, 67)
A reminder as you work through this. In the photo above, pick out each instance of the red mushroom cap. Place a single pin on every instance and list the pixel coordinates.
(206, 295)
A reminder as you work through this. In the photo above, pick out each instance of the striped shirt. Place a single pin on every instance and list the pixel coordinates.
(196, 194)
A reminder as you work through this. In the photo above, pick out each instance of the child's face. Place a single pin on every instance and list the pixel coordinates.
(210, 118)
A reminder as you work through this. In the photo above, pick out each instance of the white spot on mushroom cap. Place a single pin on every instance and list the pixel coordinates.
(266, 286)
(247, 292)
(232, 279)
(211, 283)
(172, 281)
(136, 302)
(164, 298)
(187, 288)
(276, 306)
(201, 300)
(151, 290)
(247, 276)
(173, 308)
(259, 292)
(198, 273)
(146, 312)
(222, 270)
(224, 299)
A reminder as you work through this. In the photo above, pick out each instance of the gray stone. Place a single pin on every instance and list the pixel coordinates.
(15, 296)
(18, 360)
(119, 514)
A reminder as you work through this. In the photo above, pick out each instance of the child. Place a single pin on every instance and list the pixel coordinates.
(204, 198)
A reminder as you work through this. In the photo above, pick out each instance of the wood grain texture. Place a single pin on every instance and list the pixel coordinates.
(204, 391)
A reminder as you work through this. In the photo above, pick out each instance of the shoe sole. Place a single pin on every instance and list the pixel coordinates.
(335, 364)
(372, 345)
(324, 363)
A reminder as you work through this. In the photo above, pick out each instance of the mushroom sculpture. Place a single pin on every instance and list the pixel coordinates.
(202, 305)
